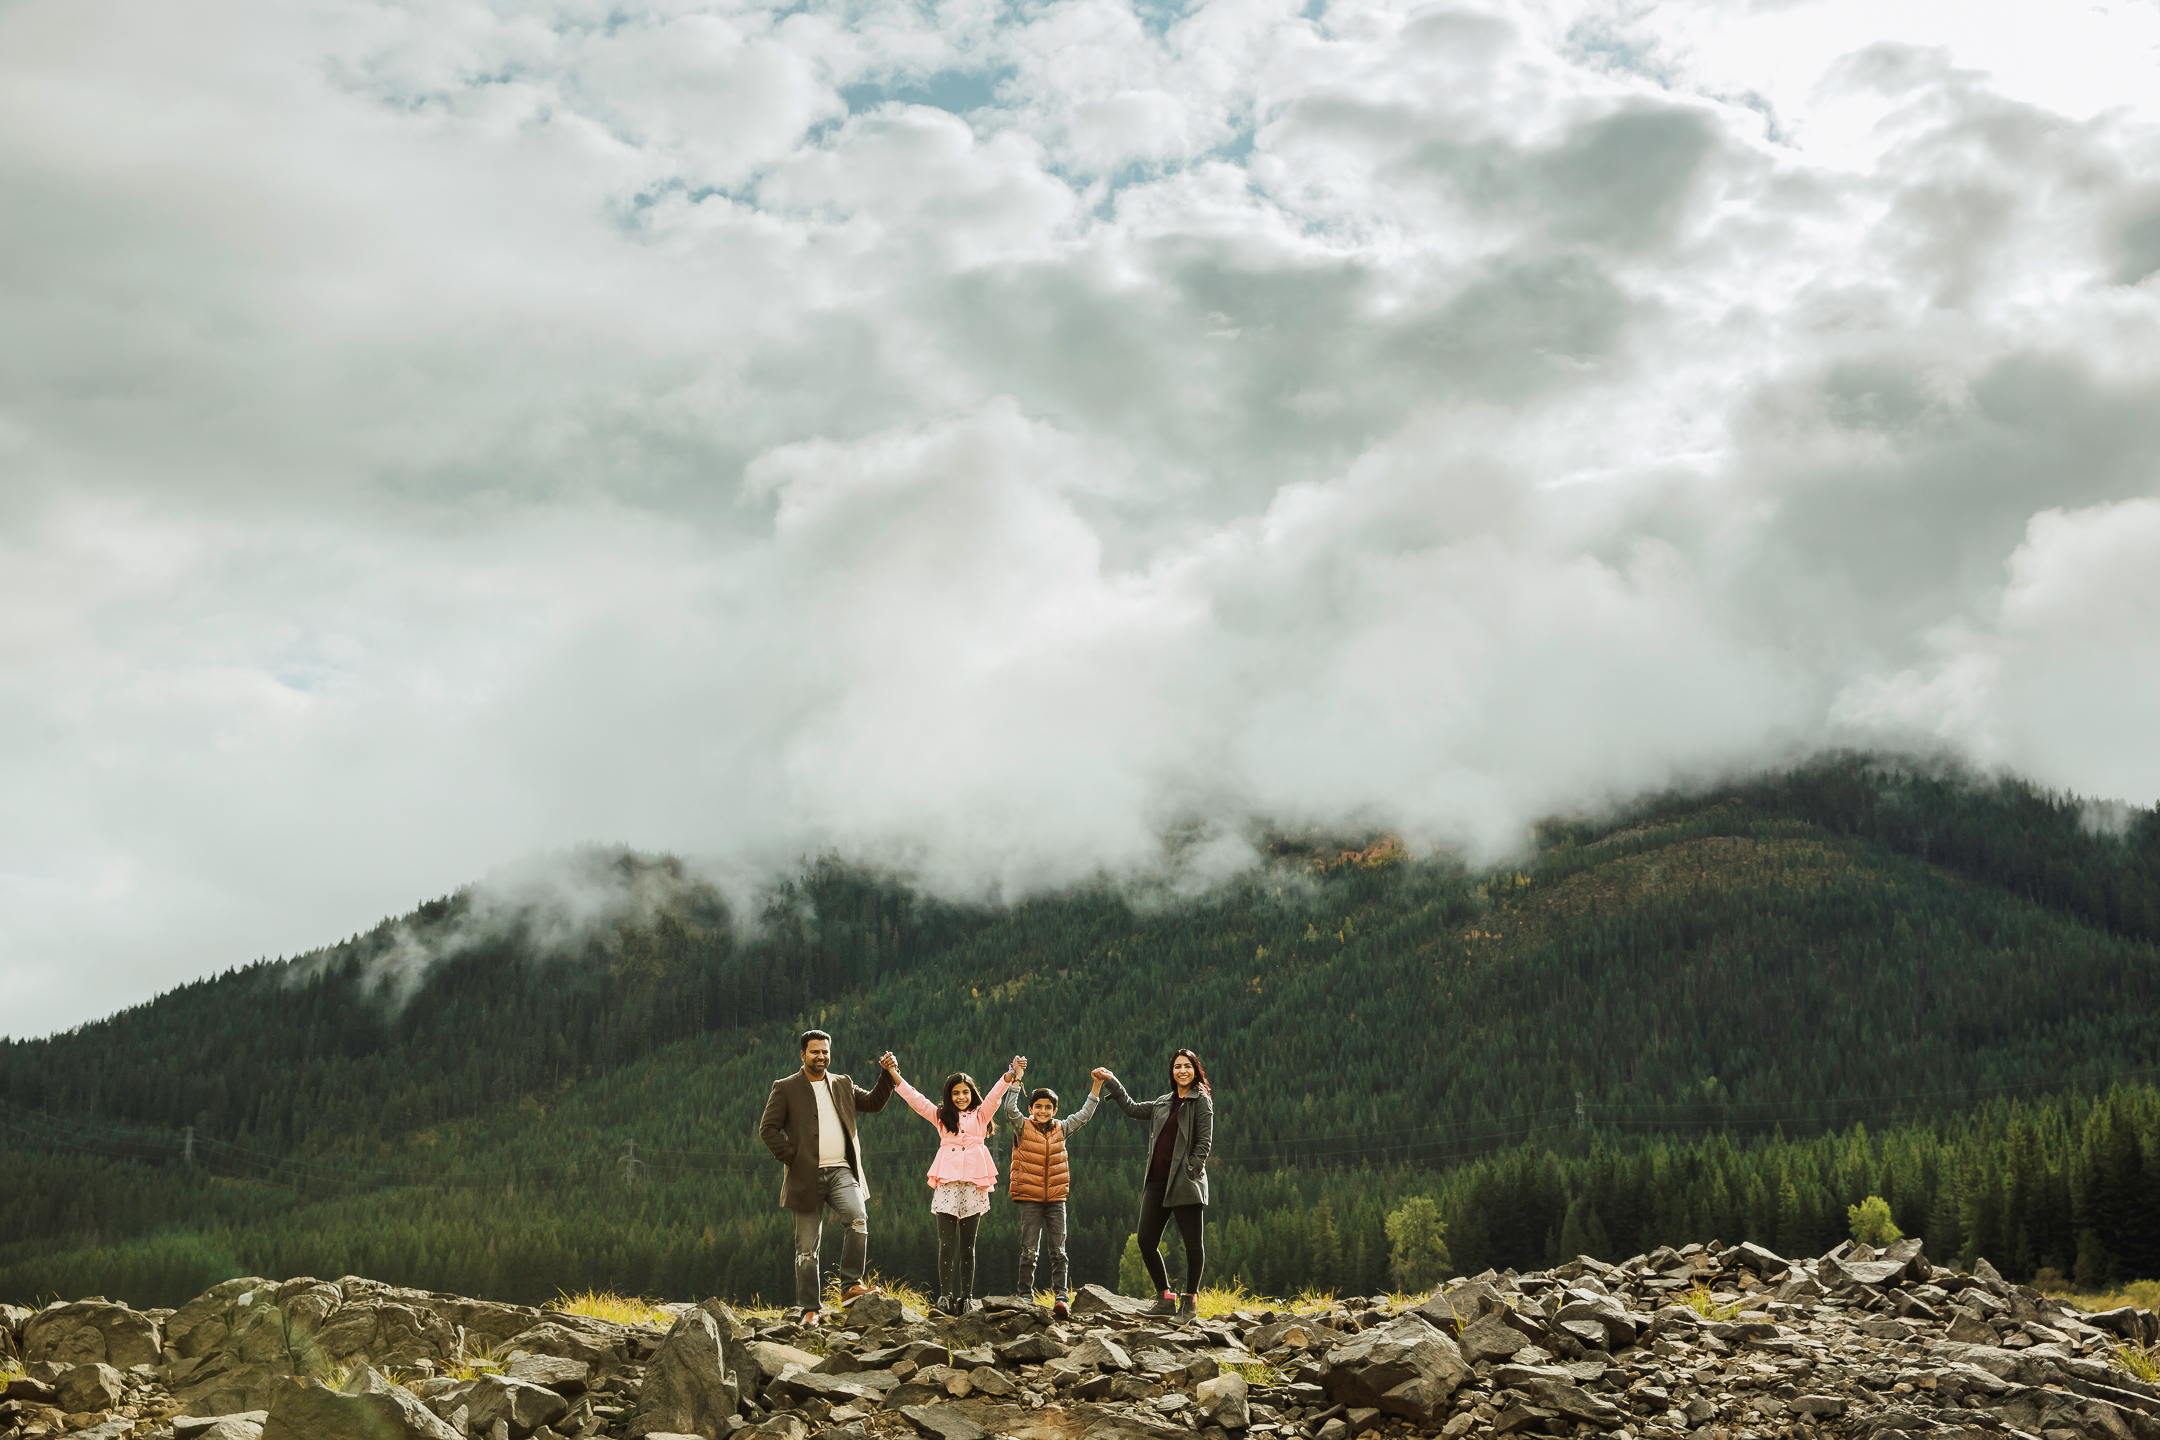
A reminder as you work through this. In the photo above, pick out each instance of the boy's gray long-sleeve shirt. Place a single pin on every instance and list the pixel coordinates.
(1069, 1124)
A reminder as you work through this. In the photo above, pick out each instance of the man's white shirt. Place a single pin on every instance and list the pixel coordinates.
(831, 1139)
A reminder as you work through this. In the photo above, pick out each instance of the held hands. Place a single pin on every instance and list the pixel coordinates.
(889, 1064)
(1101, 1073)
(1017, 1069)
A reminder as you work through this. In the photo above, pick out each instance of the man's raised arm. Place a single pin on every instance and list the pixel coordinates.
(883, 1090)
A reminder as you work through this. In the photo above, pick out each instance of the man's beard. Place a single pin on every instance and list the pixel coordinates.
(817, 1068)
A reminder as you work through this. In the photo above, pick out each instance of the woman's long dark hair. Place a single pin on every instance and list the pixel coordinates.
(1199, 1072)
(948, 1114)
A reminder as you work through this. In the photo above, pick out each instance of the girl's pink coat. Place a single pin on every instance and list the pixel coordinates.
(963, 1156)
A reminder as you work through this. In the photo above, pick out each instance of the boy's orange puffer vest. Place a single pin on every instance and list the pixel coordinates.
(1039, 1171)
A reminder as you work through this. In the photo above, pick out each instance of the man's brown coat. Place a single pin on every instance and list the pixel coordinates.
(790, 1130)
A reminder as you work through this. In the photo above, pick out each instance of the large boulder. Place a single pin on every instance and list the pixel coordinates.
(1404, 1367)
(523, 1407)
(377, 1331)
(1489, 1337)
(91, 1332)
(1095, 1300)
(690, 1388)
(1223, 1400)
(369, 1408)
(553, 1337)
(83, 1388)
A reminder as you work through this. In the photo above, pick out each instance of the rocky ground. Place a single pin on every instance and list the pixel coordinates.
(1855, 1344)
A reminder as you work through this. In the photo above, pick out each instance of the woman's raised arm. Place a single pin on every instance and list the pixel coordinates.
(1119, 1098)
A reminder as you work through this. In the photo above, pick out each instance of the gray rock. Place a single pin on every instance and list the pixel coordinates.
(564, 1342)
(794, 1385)
(986, 1380)
(192, 1427)
(1225, 1400)
(88, 1387)
(1031, 1350)
(1489, 1337)
(1572, 1401)
(942, 1422)
(1403, 1367)
(308, 1410)
(1101, 1352)
(871, 1312)
(1095, 1300)
(1615, 1329)
(521, 1405)
(781, 1427)
(231, 1427)
(564, 1377)
(769, 1359)
(1817, 1405)
(92, 1332)
(1765, 1263)
(689, 1386)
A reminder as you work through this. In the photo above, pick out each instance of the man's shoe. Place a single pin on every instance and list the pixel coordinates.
(809, 1320)
(856, 1292)
(1061, 1311)
(1189, 1308)
(1167, 1305)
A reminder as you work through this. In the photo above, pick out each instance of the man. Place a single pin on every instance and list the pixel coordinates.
(809, 1125)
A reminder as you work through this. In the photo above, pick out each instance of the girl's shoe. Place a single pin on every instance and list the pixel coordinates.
(1167, 1305)
(1189, 1308)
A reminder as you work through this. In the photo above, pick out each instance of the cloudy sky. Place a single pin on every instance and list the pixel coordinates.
(982, 435)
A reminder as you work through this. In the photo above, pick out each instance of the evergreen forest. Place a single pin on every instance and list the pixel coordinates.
(1721, 1014)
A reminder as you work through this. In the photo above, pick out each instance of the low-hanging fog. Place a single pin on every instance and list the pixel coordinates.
(980, 437)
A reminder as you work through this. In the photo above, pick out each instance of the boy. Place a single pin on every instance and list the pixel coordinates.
(1041, 1179)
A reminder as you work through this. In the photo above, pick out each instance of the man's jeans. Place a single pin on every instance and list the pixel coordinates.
(1042, 1220)
(837, 1188)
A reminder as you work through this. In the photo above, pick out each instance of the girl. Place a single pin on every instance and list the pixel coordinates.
(962, 1176)
(1181, 1135)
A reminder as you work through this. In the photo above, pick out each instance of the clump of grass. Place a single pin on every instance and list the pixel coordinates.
(10, 1369)
(1703, 1303)
(1217, 1300)
(607, 1305)
(906, 1292)
(2139, 1362)
(2144, 1294)
(1256, 1373)
(1309, 1300)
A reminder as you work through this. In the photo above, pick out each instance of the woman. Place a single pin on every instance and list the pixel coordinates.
(1180, 1136)
(963, 1174)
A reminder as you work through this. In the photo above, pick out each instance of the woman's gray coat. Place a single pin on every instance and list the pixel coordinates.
(1195, 1138)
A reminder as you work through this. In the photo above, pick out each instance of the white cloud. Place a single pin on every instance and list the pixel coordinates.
(979, 437)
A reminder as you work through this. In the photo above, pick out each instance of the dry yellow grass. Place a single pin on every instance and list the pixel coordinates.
(906, 1292)
(1703, 1303)
(607, 1305)
(2140, 1362)
(2145, 1294)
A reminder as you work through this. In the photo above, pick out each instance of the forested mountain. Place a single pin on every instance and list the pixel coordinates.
(1663, 1026)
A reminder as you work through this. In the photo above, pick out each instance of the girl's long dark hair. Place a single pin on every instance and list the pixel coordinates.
(1199, 1072)
(948, 1114)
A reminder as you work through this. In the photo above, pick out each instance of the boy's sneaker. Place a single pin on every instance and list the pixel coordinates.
(1061, 1311)
(809, 1320)
(1167, 1305)
(1189, 1308)
(856, 1292)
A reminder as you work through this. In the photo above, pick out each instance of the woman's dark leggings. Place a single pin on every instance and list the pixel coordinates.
(956, 1256)
(1192, 1227)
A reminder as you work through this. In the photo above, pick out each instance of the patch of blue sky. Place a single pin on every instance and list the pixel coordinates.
(957, 91)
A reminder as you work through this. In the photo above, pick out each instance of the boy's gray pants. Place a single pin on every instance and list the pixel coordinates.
(1040, 1221)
